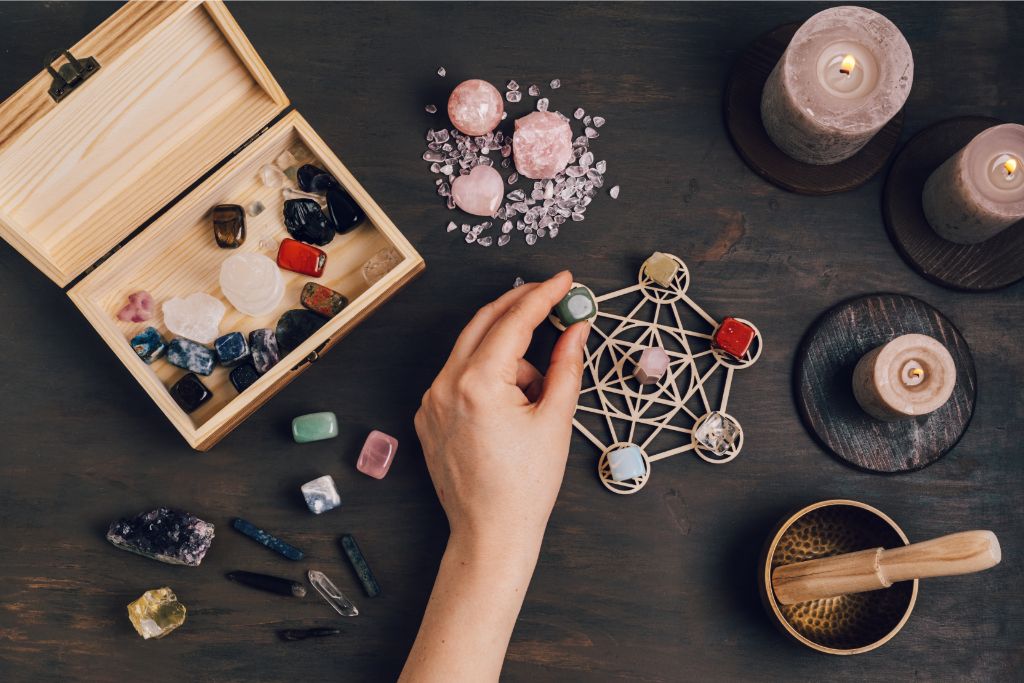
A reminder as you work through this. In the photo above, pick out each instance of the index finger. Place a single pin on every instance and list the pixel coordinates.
(509, 337)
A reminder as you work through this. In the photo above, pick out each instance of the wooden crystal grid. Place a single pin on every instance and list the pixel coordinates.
(662, 418)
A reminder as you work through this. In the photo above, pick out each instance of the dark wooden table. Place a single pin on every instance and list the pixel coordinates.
(658, 586)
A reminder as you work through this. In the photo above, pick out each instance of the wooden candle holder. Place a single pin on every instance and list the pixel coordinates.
(992, 264)
(742, 109)
(823, 384)
(661, 419)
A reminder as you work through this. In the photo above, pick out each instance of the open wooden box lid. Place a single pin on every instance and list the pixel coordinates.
(178, 89)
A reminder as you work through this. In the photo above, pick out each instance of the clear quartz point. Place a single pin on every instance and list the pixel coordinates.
(329, 592)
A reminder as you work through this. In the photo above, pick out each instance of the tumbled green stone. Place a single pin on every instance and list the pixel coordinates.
(577, 305)
(314, 427)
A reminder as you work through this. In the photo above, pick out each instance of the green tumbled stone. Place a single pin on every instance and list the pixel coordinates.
(577, 305)
(314, 427)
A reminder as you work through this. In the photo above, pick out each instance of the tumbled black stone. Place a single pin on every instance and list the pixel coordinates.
(167, 535)
(343, 211)
(313, 179)
(244, 376)
(306, 222)
(295, 327)
(189, 392)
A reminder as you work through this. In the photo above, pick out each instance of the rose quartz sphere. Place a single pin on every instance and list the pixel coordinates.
(475, 107)
(542, 145)
(480, 192)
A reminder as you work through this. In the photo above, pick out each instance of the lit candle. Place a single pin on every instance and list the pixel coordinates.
(912, 375)
(979, 191)
(846, 73)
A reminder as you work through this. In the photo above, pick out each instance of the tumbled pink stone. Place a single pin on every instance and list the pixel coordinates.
(542, 145)
(377, 455)
(138, 309)
(475, 107)
(479, 193)
(652, 366)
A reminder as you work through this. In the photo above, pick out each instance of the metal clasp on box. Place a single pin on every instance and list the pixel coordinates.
(70, 75)
(313, 357)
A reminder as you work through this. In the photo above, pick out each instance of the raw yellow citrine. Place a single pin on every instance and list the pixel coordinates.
(156, 613)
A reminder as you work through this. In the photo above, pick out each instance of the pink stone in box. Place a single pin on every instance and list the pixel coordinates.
(475, 107)
(480, 192)
(542, 145)
(377, 455)
(652, 366)
(138, 309)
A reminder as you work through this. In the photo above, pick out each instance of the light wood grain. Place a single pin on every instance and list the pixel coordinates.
(965, 552)
(83, 175)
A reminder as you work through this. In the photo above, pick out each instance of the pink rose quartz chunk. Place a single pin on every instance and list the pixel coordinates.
(480, 192)
(652, 366)
(377, 455)
(475, 107)
(138, 309)
(542, 145)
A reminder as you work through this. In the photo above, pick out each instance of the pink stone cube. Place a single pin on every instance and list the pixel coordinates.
(377, 455)
(652, 366)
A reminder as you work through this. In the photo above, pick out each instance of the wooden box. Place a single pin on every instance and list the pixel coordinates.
(108, 191)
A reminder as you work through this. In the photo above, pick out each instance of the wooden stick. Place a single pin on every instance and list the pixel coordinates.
(868, 570)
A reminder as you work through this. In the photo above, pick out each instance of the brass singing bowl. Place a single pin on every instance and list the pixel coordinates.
(849, 624)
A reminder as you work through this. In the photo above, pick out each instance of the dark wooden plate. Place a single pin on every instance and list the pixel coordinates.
(994, 263)
(743, 120)
(823, 380)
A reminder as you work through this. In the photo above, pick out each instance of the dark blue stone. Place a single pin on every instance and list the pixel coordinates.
(189, 392)
(191, 356)
(362, 569)
(269, 540)
(344, 212)
(149, 345)
(295, 327)
(231, 348)
(313, 179)
(244, 376)
(263, 345)
(306, 222)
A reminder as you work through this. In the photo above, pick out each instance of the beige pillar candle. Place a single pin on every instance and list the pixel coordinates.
(979, 191)
(846, 73)
(911, 375)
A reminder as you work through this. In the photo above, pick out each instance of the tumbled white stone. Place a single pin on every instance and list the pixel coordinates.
(252, 283)
(196, 317)
(321, 494)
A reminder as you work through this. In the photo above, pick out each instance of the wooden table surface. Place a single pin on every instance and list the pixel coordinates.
(658, 586)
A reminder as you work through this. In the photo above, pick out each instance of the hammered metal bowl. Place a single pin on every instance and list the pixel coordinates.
(849, 624)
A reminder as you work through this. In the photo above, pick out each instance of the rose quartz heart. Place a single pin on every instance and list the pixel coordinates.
(479, 193)
(475, 107)
(138, 309)
(542, 145)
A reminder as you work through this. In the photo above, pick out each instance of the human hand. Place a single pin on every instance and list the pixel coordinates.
(495, 432)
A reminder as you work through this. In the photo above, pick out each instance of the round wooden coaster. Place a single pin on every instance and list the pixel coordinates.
(824, 393)
(743, 120)
(994, 263)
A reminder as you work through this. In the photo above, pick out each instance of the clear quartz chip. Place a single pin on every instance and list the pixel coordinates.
(614, 192)
(542, 104)
(555, 84)
(452, 227)
(329, 592)
(441, 71)
(513, 96)
(512, 85)
(430, 109)
(534, 91)
(504, 239)
(578, 114)
(718, 433)
(591, 133)
(598, 121)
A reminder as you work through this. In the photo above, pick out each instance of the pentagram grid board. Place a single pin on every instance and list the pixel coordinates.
(662, 419)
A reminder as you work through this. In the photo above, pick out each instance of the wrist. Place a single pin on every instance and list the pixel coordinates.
(498, 554)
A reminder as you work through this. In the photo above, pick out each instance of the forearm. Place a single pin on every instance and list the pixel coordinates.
(472, 610)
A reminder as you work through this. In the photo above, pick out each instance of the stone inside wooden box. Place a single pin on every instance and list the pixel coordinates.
(179, 89)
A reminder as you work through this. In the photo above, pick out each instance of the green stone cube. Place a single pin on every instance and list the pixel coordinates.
(577, 305)
(314, 427)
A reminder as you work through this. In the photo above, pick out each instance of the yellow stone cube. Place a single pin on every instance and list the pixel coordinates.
(156, 613)
(661, 268)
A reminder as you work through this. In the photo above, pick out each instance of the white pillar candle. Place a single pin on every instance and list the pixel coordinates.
(846, 73)
(979, 191)
(912, 375)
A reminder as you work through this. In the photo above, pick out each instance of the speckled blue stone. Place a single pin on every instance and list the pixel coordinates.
(194, 357)
(244, 376)
(231, 349)
(149, 344)
(265, 353)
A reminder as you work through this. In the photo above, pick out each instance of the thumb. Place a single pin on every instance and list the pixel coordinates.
(562, 383)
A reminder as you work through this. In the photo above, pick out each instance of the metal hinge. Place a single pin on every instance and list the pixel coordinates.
(70, 75)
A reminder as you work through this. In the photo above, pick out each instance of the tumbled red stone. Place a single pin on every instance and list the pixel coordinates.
(301, 258)
(322, 300)
(542, 145)
(734, 337)
(475, 107)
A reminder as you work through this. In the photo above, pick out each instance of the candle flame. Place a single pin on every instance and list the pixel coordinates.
(848, 65)
(917, 372)
(1010, 165)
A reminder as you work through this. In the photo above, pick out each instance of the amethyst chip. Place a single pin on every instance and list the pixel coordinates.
(165, 535)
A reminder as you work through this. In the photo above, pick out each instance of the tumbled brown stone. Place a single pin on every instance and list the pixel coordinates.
(229, 225)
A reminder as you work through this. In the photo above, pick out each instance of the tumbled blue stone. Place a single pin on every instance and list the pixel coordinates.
(231, 348)
(149, 344)
(244, 376)
(263, 346)
(194, 357)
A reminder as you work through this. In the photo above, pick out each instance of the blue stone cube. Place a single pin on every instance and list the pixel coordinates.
(149, 345)
(231, 349)
(626, 463)
(191, 356)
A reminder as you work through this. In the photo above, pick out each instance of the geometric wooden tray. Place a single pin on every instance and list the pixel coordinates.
(742, 110)
(994, 263)
(823, 380)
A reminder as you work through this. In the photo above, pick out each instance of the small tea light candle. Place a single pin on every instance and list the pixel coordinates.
(979, 191)
(846, 73)
(912, 375)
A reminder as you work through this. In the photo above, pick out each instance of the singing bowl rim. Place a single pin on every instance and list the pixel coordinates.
(768, 592)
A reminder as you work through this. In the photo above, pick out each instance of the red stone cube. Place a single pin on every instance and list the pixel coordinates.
(301, 258)
(734, 337)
